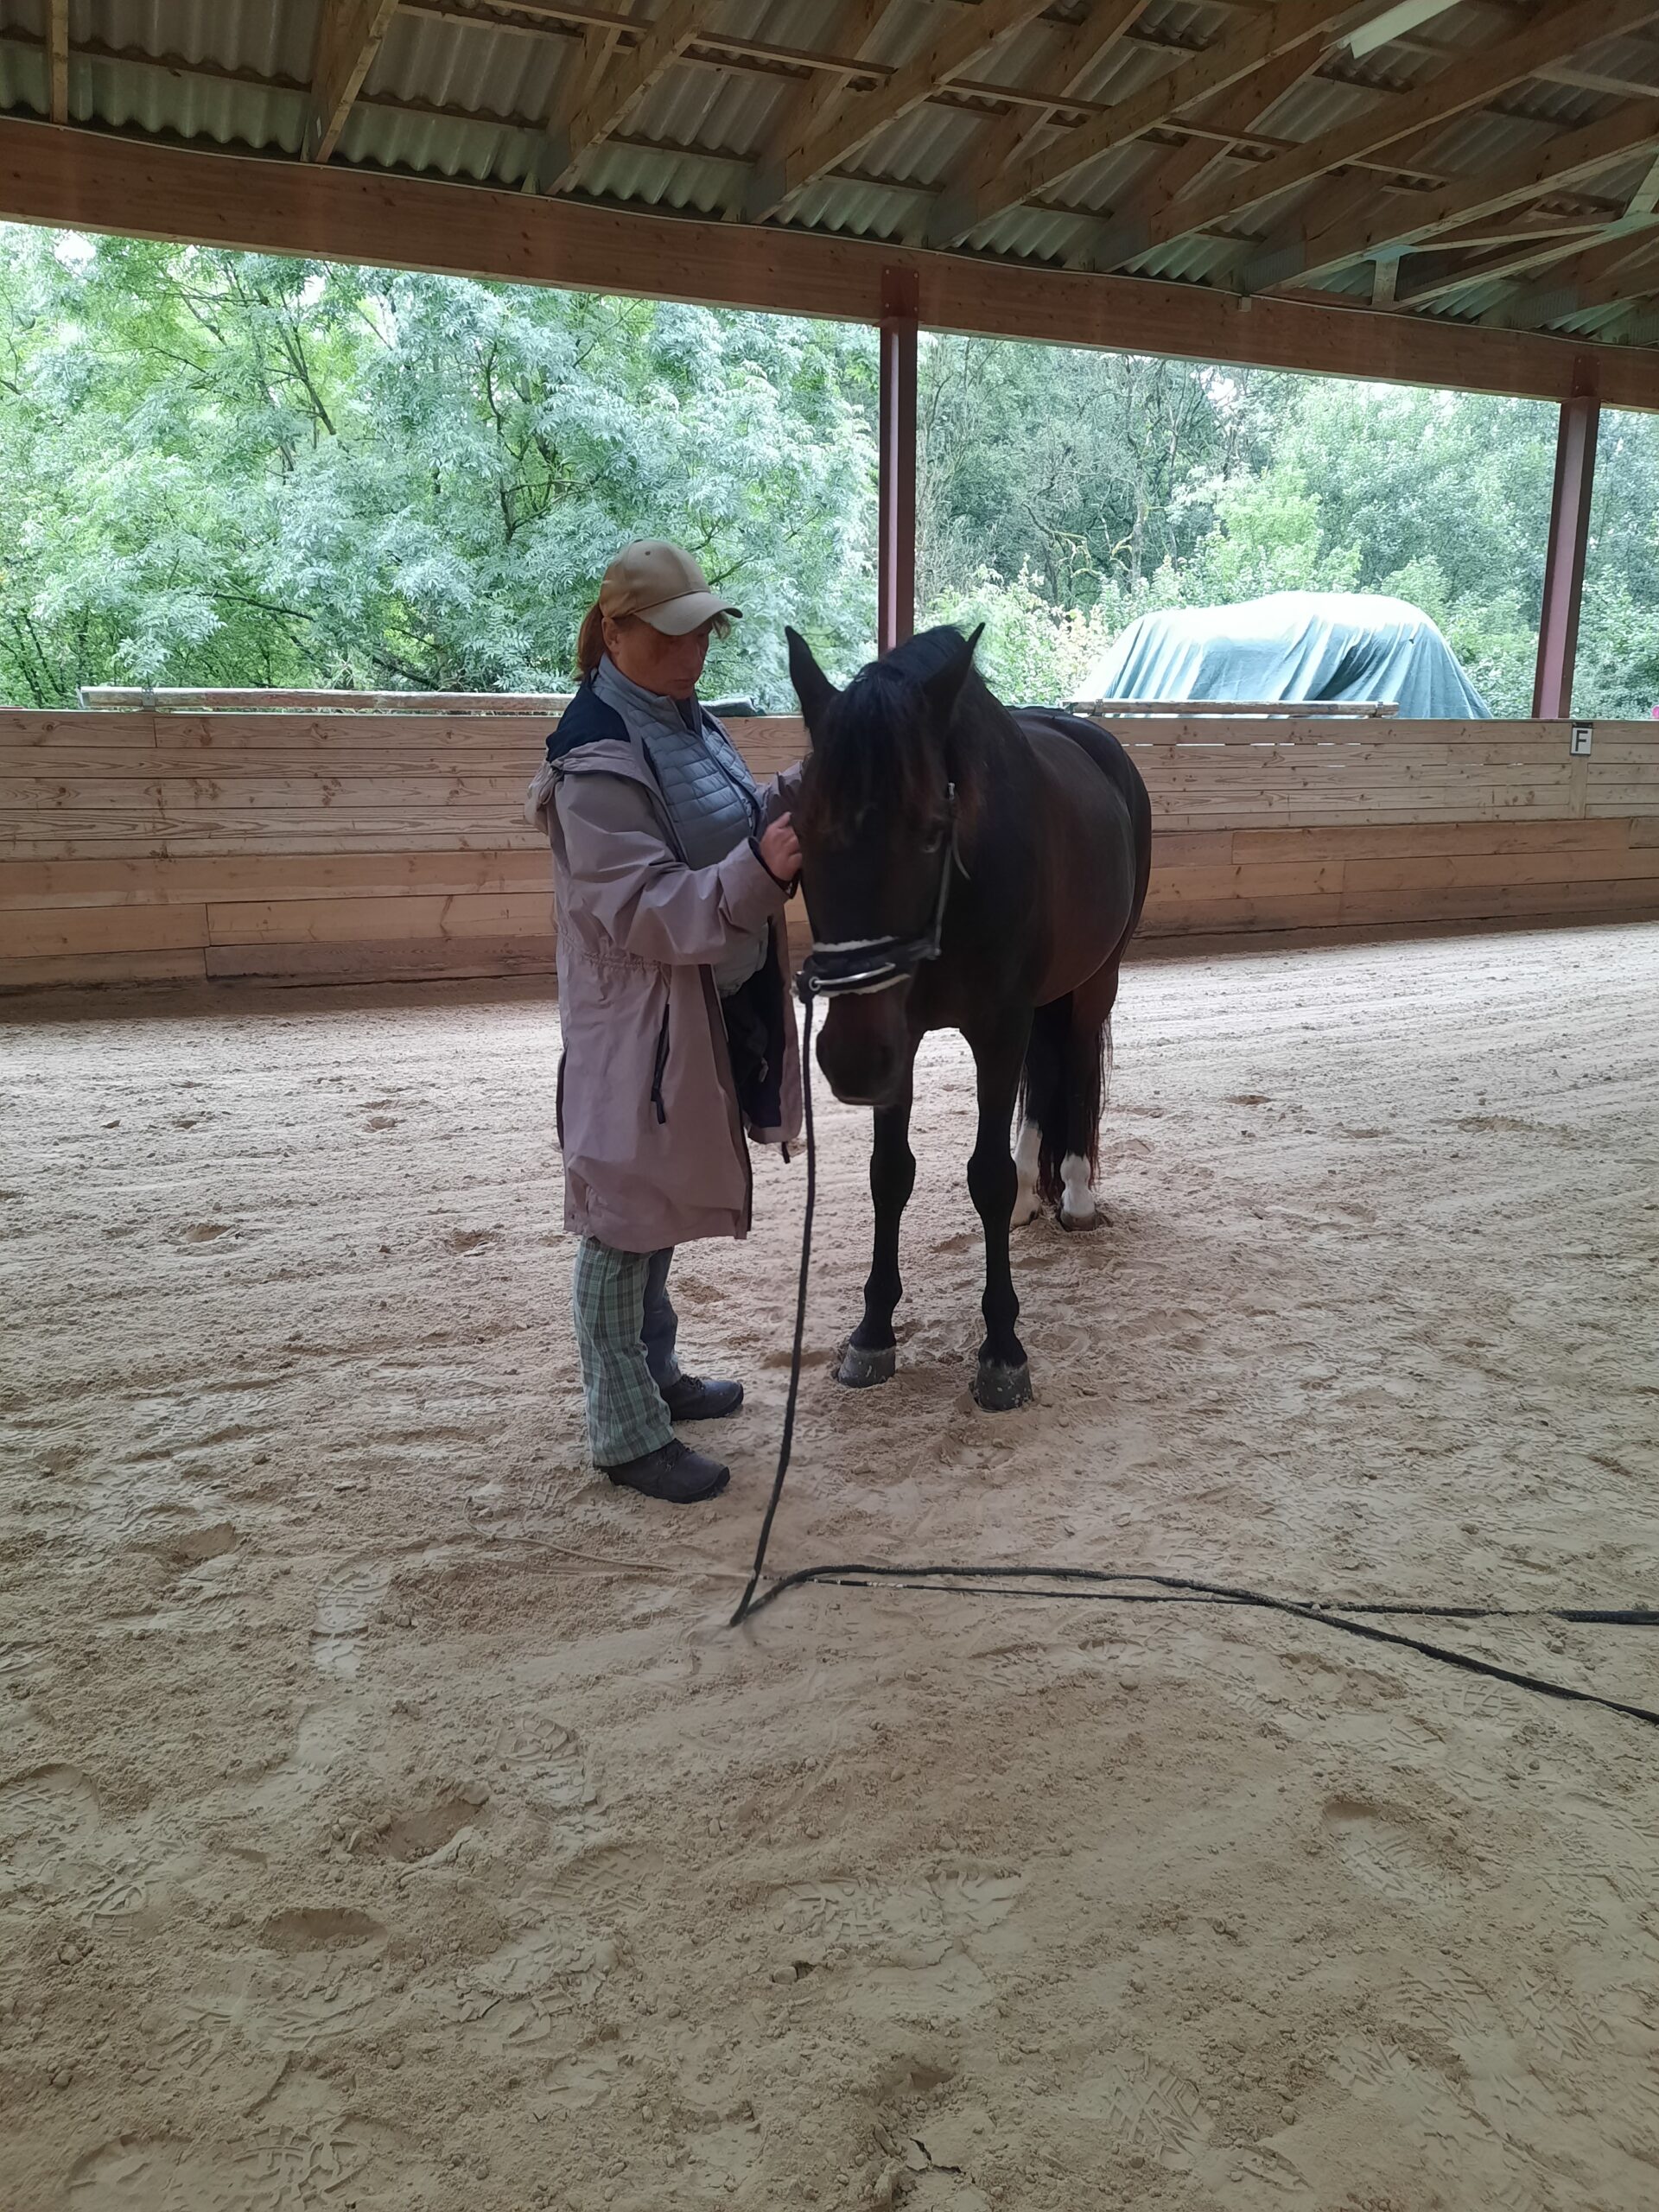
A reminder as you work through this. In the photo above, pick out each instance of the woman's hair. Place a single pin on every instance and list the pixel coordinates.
(590, 642)
(590, 639)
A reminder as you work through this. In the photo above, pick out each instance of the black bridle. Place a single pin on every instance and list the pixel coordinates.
(862, 964)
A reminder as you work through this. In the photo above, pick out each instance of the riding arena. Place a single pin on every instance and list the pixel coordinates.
(1163, 1717)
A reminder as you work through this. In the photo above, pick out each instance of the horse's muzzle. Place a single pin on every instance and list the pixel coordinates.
(864, 1050)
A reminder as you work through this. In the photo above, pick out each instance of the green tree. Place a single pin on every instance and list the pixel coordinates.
(229, 468)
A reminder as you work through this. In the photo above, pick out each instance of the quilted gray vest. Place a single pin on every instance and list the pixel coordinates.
(709, 791)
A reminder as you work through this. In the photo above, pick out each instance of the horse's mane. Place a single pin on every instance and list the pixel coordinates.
(873, 747)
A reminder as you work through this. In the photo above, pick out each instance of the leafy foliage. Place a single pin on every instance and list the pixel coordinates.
(226, 468)
(222, 468)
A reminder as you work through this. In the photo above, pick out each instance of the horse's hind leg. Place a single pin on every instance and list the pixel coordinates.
(1087, 1045)
(1004, 1378)
(871, 1353)
(1042, 1101)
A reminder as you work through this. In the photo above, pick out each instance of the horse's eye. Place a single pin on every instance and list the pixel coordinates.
(934, 840)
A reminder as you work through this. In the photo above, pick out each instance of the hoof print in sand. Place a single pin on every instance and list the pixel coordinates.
(319, 1928)
(1390, 1855)
(830, 1921)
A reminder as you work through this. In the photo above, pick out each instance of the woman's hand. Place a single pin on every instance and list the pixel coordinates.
(780, 850)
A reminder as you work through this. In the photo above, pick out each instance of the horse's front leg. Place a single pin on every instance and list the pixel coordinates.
(872, 1354)
(1004, 1377)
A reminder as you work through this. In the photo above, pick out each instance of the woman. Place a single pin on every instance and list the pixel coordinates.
(670, 873)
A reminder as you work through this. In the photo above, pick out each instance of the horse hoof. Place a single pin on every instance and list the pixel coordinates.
(1085, 1225)
(1000, 1389)
(862, 1370)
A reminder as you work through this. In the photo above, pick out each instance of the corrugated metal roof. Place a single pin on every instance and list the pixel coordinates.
(459, 92)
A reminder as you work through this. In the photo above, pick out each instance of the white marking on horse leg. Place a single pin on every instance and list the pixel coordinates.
(1027, 1205)
(1077, 1201)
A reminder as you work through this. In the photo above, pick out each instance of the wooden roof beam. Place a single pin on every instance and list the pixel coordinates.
(57, 60)
(349, 34)
(965, 39)
(1158, 188)
(1560, 27)
(1076, 54)
(1518, 260)
(1568, 158)
(1645, 199)
(1233, 57)
(99, 181)
(1607, 276)
(802, 113)
(610, 84)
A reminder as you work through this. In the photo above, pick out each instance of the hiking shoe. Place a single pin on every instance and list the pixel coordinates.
(675, 1474)
(690, 1399)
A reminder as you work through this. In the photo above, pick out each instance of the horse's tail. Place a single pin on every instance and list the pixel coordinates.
(1064, 1082)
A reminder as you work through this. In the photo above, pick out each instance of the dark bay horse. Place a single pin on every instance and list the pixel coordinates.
(966, 867)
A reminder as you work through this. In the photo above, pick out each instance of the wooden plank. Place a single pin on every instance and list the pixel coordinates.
(1314, 911)
(346, 921)
(175, 881)
(86, 180)
(1377, 841)
(256, 734)
(384, 962)
(49, 972)
(296, 833)
(173, 798)
(100, 929)
(172, 699)
(1191, 848)
(1514, 871)
(1180, 886)
(1494, 902)
(84, 767)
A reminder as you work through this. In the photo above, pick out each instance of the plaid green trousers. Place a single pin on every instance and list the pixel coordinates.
(626, 1332)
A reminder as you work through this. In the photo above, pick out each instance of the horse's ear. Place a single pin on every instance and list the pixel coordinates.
(945, 684)
(812, 687)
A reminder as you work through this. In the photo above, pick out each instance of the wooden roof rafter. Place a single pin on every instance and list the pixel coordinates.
(1073, 58)
(969, 38)
(1559, 27)
(1619, 272)
(1213, 69)
(1569, 158)
(1161, 184)
(57, 58)
(349, 36)
(615, 80)
(740, 127)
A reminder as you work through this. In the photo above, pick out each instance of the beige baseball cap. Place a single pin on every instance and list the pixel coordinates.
(663, 586)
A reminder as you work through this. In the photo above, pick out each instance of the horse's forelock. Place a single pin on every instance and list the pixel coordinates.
(873, 750)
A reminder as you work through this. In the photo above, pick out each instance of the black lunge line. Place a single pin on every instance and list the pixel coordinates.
(745, 1601)
(1164, 1587)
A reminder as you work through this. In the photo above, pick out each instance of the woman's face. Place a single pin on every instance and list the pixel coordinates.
(669, 666)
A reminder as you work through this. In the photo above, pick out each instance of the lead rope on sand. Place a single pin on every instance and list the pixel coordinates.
(745, 1604)
(1163, 1589)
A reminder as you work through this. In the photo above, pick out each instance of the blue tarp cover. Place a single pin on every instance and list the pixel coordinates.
(1295, 644)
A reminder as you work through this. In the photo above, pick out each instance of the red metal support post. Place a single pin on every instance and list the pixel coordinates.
(895, 588)
(1569, 531)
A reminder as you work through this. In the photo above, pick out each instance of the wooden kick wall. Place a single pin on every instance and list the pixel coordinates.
(151, 847)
